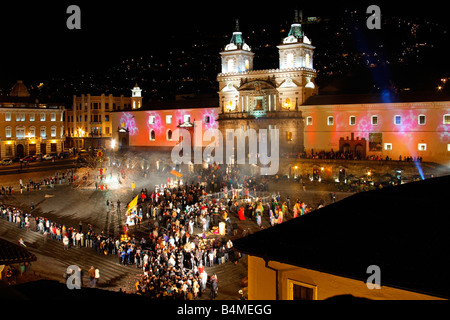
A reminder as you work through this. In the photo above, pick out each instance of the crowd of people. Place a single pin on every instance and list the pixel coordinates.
(345, 155)
(184, 230)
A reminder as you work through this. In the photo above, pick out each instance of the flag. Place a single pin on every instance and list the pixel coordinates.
(133, 186)
(176, 173)
(132, 204)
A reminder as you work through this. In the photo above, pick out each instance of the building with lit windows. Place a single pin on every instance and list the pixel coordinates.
(153, 126)
(29, 127)
(89, 123)
(372, 126)
(267, 99)
(376, 126)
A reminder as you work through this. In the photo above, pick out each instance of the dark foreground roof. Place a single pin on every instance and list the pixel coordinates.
(377, 98)
(404, 230)
(11, 253)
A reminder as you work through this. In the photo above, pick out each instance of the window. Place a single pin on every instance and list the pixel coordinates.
(301, 291)
(53, 132)
(32, 132)
(42, 116)
(151, 120)
(20, 132)
(290, 60)
(422, 119)
(422, 147)
(8, 116)
(289, 136)
(309, 121)
(9, 150)
(20, 116)
(187, 118)
(388, 146)
(43, 132)
(397, 120)
(448, 147)
(169, 119)
(169, 135)
(32, 116)
(446, 119)
(52, 116)
(330, 121)
(207, 119)
(230, 65)
(8, 132)
(352, 120)
(106, 117)
(152, 135)
(374, 120)
(375, 141)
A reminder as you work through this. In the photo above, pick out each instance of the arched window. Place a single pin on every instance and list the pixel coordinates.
(307, 61)
(169, 135)
(231, 65)
(290, 60)
(152, 135)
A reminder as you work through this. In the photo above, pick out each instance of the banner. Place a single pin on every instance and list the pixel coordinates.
(132, 204)
(176, 173)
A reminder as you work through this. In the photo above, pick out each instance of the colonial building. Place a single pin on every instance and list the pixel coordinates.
(385, 125)
(29, 127)
(153, 127)
(267, 99)
(380, 126)
(88, 122)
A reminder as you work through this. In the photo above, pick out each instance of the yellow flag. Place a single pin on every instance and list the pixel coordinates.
(176, 173)
(133, 185)
(132, 204)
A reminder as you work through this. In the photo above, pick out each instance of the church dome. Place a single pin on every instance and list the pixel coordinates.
(19, 90)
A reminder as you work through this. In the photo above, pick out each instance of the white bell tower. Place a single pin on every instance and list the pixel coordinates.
(237, 56)
(296, 50)
(136, 97)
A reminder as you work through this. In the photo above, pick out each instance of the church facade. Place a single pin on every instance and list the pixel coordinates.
(267, 99)
(285, 100)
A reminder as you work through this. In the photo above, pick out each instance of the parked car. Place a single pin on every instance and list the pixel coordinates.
(50, 156)
(6, 162)
(28, 159)
(37, 157)
(64, 155)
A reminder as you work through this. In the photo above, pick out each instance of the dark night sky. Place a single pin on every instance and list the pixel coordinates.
(36, 43)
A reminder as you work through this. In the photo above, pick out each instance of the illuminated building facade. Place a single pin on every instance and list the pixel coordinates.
(267, 99)
(89, 122)
(153, 127)
(29, 128)
(412, 125)
(380, 126)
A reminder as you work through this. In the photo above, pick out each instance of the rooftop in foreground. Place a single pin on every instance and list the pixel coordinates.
(402, 229)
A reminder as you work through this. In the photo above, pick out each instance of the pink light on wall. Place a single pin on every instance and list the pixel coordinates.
(128, 121)
(154, 121)
(212, 115)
